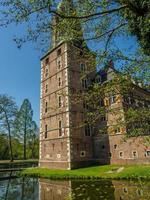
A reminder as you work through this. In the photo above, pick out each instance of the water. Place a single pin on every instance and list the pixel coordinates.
(43, 189)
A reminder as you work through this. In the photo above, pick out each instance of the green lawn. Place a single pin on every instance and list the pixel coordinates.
(96, 172)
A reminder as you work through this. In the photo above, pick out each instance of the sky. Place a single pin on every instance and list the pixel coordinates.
(19, 70)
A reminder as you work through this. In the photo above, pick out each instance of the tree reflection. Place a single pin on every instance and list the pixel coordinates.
(19, 189)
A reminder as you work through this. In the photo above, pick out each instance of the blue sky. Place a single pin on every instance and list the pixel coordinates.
(19, 69)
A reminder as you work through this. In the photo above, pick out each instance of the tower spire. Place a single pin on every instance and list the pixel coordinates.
(66, 29)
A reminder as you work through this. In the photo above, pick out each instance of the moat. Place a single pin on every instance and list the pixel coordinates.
(12, 188)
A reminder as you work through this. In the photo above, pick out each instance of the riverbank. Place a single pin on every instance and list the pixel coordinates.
(6, 164)
(95, 172)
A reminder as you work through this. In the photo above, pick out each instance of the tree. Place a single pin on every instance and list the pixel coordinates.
(33, 141)
(103, 22)
(8, 110)
(4, 147)
(24, 123)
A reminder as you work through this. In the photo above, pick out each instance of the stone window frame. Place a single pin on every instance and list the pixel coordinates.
(59, 63)
(46, 88)
(83, 67)
(122, 154)
(82, 153)
(46, 131)
(59, 81)
(147, 154)
(47, 61)
(116, 130)
(60, 129)
(46, 106)
(59, 52)
(46, 70)
(60, 101)
(85, 83)
(112, 99)
(125, 190)
(135, 151)
(87, 129)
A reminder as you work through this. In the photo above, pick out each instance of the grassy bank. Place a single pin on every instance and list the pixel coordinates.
(96, 172)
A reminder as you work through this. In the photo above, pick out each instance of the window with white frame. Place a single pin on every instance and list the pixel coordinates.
(148, 153)
(112, 99)
(117, 130)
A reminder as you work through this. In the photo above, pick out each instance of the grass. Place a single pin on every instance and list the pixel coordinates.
(96, 172)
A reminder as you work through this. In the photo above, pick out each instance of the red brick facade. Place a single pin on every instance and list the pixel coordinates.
(63, 142)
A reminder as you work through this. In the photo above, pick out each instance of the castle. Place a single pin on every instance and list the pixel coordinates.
(64, 144)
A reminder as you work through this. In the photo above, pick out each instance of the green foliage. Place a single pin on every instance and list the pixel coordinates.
(26, 130)
(137, 14)
(13, 126)
(8, 110)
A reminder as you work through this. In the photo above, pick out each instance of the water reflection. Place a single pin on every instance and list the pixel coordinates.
(18, 188)
(43, 189)
(94, 190)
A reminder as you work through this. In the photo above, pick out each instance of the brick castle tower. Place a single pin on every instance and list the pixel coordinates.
(63, 143)
(66, 140)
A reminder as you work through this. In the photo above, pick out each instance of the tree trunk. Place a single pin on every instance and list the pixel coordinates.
(10, 147)
(9, 138)
(24, 149)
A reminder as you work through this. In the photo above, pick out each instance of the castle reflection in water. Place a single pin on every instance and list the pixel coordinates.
(93, 190)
